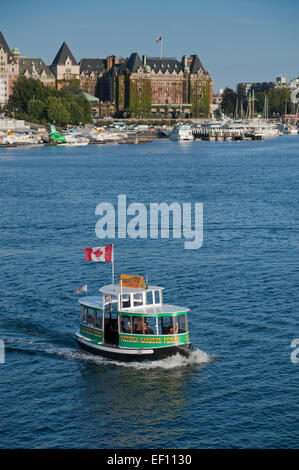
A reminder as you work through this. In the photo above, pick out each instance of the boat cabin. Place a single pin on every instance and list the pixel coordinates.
(132, 317)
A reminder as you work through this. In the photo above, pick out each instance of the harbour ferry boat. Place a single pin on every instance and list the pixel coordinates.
(130, 322)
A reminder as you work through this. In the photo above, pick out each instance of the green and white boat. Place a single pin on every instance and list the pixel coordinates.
(127, 323)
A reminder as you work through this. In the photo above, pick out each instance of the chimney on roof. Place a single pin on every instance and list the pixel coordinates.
(112, 60)
(144, 60)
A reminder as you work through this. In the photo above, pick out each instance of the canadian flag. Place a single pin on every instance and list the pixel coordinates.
(159, 39)
(99, 253)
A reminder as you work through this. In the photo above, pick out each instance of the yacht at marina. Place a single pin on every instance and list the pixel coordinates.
(181, 132)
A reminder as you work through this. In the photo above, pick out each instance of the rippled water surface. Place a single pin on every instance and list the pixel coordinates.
(239, 388)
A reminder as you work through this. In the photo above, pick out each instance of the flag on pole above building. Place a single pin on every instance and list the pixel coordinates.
(159, 39)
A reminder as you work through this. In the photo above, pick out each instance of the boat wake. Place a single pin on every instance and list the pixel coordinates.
(197, 356)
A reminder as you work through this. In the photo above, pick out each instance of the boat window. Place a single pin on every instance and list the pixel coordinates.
(182, 323)
(149, 298)
(126, 302)
(157, 297)
(89, 317)
(139, 328)
(137, 300)
(82, 316)
(92, 317)
(125, 324)
(152, 326)
(98, 319)
(169, 325)
(138, 325)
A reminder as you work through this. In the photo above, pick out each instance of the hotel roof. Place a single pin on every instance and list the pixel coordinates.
(4, 45)
(63, 53)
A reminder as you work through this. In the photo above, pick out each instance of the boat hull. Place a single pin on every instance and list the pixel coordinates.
(132, 355)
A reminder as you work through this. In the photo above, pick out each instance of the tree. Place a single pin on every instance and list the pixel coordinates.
(57, 112)
(34, 101)
(229, 101)
(76, 112)
(277, 98)
(36, 109)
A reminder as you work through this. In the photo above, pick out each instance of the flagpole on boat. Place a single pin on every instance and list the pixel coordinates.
(112, 263)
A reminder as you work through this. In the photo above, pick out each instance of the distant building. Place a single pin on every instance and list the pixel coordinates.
(294, 83)
(217, 101)
(280, 81)
(90, 71)
(9, 71)
(32, 67)
(243, 89)
(157, 86)
(65, 68)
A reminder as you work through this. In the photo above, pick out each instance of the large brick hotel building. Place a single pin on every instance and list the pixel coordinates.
(130, 86)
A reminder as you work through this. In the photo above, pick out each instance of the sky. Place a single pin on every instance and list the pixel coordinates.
(236, 41)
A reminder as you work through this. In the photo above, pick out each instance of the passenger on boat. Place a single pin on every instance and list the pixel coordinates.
(89, 320)
(174, 330)
(146, 329)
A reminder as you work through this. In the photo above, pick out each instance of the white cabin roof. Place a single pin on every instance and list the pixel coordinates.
(156, 309)
(95, 301)
(115, 289)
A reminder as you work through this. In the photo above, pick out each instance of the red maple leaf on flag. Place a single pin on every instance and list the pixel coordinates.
(98, 253)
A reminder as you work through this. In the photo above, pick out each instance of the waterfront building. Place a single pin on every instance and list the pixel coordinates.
(90, 71)
(9, 71)
(157, 86)
(217, 100)
(243, 89)
(33, 67)
(65, 68)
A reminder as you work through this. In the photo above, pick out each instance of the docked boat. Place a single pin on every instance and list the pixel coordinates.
(288, 129)
(130, 322)
(20, 138)
(77, 142)
(182, 132)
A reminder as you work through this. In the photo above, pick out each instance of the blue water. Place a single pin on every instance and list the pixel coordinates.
(239, 388)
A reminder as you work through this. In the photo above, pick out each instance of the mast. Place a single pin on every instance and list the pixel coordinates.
(249, 108)
(236, 110)
(112, 263)
(241, 110)
(253, 108)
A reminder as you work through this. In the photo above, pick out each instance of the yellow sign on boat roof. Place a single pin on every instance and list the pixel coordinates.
(129, 280)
